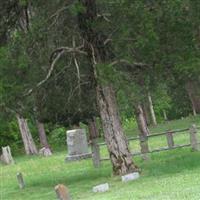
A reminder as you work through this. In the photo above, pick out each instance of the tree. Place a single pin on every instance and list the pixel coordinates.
(99, 54)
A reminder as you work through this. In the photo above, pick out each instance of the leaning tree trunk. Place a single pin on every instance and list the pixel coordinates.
(151, 108)
(146, 114)
(143, 129)
(115, 139)
(29, 144)
(42, 135)
(98, 53)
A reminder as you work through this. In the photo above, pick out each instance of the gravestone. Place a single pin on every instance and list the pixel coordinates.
(45, 152)
(130, 177)
(62, 192)
(6, 156)
(101, 188)
(77, 145)
(20, 180)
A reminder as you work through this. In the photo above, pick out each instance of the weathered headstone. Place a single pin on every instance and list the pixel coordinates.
(101, 188)
(20, 180)
(6, 156)
(62, 192)
(45, 152)
(77, 145)
(130, 177)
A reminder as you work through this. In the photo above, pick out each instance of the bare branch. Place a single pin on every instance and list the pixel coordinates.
(104, 16)
(69, 50)
(48, 74)
(77, 66)
(128, 63)
(57, 13)
(55, 56)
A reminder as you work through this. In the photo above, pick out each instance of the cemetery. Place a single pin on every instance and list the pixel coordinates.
(57, 176)
(100, 100)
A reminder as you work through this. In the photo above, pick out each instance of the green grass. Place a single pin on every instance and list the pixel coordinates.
(169, 175)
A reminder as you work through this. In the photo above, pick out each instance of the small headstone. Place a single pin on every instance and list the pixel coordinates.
(6, 156)
(62, 192)
(130, 177)
(101, 188)
(45, 152)
(20, 180)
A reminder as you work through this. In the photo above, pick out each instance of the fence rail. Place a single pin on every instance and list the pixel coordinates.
(194, 143)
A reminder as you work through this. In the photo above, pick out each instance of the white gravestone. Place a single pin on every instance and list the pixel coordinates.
(77, 145)
(130, 177)
(101, 188)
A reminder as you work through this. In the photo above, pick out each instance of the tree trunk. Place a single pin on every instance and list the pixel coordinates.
(116, 141)
(151, 108)
(146, 114)
(194, 95)
(165, 115)
(99, 53)
(93, 131)
(192, 102)
(142, 126)
(143, 129)
(29, 144)
(42, 135)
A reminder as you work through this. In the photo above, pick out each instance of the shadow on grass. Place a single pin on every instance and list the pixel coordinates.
(84, 175)
(171, 162)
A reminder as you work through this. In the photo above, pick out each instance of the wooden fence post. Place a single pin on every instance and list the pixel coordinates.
(144, 146)
(20, 180)
(95, 153)
(194, 138)
(170, 139)
(62, 192)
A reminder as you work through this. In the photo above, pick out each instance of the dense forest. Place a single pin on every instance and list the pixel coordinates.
(96, 63)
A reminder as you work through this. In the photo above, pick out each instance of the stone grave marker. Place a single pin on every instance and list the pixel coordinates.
(62, 192)
(20, 180)
(101, 188)
(77, 145)
(130, 177)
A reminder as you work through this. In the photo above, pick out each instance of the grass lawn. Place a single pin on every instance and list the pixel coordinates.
(169, 175)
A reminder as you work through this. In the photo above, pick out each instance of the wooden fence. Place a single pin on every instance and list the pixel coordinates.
(192, 131)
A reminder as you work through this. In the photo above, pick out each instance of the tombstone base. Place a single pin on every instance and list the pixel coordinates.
(78, 157)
